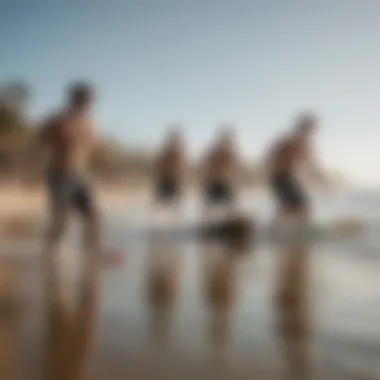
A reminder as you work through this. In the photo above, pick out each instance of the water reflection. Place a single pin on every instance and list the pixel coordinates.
(11, 306)
(70, 331)
(292, 307)
(162, 287)
(220, 266)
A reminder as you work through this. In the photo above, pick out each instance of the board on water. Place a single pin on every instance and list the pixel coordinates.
(243, 227)
(236, 230)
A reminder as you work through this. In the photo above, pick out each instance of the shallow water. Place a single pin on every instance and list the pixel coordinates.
(316, 305)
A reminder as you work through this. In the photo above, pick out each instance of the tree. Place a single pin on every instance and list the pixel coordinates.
(14, 128)
(15, 95)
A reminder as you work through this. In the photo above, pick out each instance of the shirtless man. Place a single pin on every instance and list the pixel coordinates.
(219, 170)
(286, 157)
(170, 169)
(69, 141)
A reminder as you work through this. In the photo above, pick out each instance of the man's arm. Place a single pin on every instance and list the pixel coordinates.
(91, 139)
(313, 168)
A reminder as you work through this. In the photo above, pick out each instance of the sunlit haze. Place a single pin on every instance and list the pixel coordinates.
(205, 62)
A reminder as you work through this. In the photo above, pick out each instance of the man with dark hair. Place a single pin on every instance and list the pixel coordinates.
(220, 168)
(69, 141)
(80, 95)
(170, 168)
(286, 157)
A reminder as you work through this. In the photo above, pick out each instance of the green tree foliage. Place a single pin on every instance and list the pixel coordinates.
(111, 161)
(14, 97)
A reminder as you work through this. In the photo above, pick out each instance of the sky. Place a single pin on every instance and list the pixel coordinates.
(205, 62)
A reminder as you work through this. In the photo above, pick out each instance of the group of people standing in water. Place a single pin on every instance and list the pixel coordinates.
(219, 170)
(69, 138)
(221, 166)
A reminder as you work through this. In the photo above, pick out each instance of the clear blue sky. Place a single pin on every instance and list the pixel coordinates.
(203, 62)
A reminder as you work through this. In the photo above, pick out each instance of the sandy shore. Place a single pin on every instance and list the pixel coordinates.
(341, 323)
(16, 201)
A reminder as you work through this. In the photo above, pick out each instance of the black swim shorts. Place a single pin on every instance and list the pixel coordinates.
(219, 192)
(288, 190)
(167, 189)
(68, 190)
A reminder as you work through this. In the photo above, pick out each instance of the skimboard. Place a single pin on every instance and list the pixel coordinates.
(244, 227)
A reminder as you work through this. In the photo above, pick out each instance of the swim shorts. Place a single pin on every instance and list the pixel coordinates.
(288, 190)
(167, 189)
(219, 192)
(69, 190)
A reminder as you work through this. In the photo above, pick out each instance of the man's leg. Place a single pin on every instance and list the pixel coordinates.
(53, 240)
(294, 202)
(300, 202)
(178, 198)
(92, 235)
(292, 308)
(229, 197)
(218, 201)
(298, 214)
(280, 190)
(59, 202)
(161, 198)
(85, 204)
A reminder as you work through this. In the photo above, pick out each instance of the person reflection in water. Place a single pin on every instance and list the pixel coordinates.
(292, 308)
(170, 170)
(70, 334)
(12, 308)
(220, 171)
(162, 289)
(220, 288)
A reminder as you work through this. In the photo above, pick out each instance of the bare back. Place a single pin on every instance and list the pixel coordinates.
(170, 162)
(287, 154)
(220, 163)
(70, 141)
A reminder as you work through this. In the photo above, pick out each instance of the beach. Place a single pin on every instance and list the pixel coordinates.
(16, 199)
(276, 307)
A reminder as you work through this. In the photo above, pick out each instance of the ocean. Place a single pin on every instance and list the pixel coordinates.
(343, 290)
(334, 301)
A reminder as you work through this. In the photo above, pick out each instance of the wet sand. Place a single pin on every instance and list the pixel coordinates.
(196, 310)
(17, 201)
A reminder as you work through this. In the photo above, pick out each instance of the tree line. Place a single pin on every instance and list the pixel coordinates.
(111, 160)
